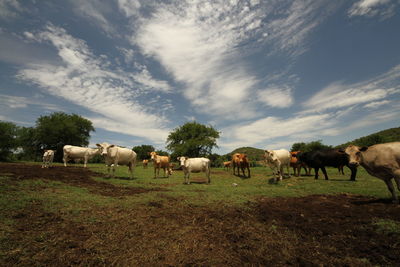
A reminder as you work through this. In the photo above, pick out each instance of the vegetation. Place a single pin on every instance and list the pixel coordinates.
(143, 151)
(8, 139)
(388, 135)
(310, 146)
(192, 140)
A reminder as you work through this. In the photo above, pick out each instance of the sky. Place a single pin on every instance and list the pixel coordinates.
(265, 74)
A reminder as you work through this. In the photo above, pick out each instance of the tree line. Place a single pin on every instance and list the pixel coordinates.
(192, 139)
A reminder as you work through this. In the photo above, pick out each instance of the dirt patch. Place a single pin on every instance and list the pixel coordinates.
(75, 176)
(315, 230)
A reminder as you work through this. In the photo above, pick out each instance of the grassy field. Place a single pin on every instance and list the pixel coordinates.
(37, 215)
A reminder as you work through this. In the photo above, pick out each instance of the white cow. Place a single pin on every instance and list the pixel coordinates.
(194, 165)
(48, 157)
(78, 153)
(115, 156)
(276, 160)
(381, 161)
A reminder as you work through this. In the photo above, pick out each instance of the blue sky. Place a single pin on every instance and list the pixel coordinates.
(264, 73)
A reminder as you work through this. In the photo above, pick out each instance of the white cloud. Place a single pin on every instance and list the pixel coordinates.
(377, 104)
(16, 102)
(339, 95)
(129, 7)
(9, 9)
(95, 11)
(90, 82)
(267, 130)
(280, 97)
(370, 8)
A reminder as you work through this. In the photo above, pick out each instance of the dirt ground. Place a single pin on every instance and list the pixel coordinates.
(315, 230)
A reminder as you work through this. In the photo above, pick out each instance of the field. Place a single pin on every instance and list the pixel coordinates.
(75, 216)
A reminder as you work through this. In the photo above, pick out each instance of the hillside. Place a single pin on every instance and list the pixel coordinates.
(389, 135)
(253, 153)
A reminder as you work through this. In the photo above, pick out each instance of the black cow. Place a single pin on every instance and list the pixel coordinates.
(319, 159)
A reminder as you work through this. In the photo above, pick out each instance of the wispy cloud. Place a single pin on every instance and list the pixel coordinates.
(371, 8)
(9, 9)
(339, 95)
(16, 102)
(90, 82)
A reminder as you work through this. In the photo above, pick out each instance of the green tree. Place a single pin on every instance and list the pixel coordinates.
(143, 151)
(8, 139)
(310, 146)
(372, 139)
(59, 129)
(27, 140)
(192, 140)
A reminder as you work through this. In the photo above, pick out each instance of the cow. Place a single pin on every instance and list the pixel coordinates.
(297, 165)
(319, 159)
(77, 153)
(145, 163)
(239, 160)
(114, 156)
(190, 165)
(227, 165)
(381, 161)
(276, 160)
(48, 157)
(160, 162)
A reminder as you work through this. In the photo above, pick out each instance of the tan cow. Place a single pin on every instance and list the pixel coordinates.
(239, 160)
(227, 165)
(145, 163)
(115, 156)
(381, 161)
(160, 162)
(48, 157)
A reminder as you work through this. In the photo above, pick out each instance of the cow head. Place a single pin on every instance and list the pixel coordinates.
(153, 155)
(182, 160)
(103, 148)
(355, 154)
(270, 155)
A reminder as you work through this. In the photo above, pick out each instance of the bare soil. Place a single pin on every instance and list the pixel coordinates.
(315, 230)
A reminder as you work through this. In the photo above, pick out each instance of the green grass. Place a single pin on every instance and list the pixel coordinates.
(222, 189)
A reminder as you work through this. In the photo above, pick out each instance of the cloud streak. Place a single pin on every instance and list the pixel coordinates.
(91, 83)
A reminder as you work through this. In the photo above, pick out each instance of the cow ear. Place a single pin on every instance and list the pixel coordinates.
(178, 158)
(364, 148)
(98, 145)
(112, 146)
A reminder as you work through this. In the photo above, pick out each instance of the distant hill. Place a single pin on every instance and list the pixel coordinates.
(254, 154)
(389, 135)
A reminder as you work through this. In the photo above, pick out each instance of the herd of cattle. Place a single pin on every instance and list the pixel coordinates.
(381, 161)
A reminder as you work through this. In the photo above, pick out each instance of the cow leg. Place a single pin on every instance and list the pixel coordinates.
(316, 172)
(208, 172)
(389, 185)
(131, 169)
(85, 160)
(324, 172)
(353, 170)
(65, 159)
(287, 169)
(248, 168)
(155, 172)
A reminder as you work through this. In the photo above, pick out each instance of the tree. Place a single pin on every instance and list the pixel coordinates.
(192, 140)
(143, 151)
(59, 129)
(8, 139)
(27, 140)
(311, 146)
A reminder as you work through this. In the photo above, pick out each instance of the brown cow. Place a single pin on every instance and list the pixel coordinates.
(227, 165)
(160, 162)
(381, 161)
(145, 162)
(240, 160)
(297, 165)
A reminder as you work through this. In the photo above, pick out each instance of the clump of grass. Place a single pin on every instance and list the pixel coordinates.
(387, 226)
